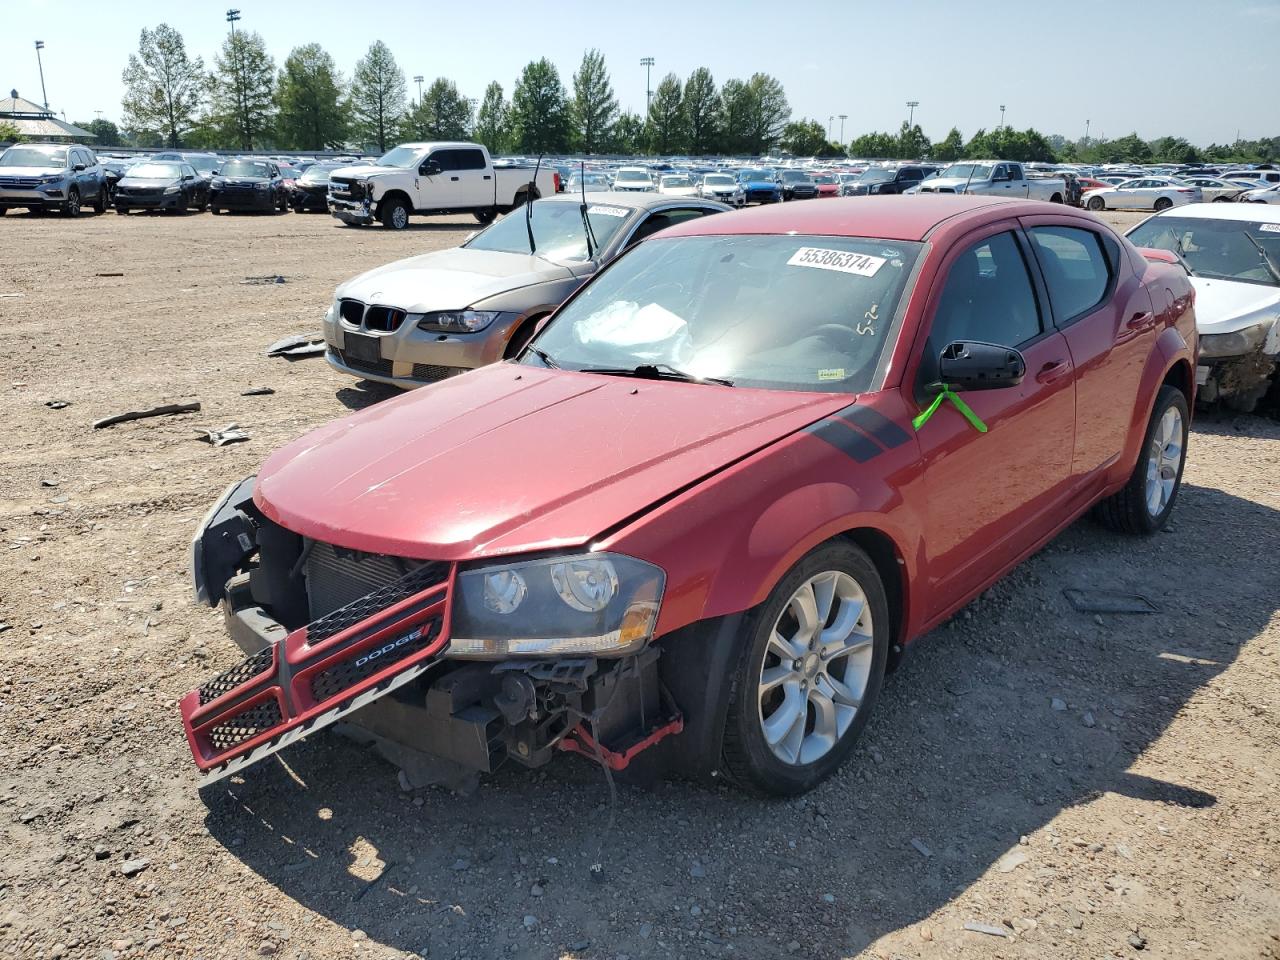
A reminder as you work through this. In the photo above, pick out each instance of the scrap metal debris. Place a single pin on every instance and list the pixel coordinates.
(258, 392)
(113, 274)
(231, 433)
(162, 411)
(299, 345)
(1108, 601)
(57, 404)
(273, 278)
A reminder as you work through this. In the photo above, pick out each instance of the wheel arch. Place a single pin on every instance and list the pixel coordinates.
(395, 193)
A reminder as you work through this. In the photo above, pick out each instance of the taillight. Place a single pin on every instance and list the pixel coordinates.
(555, 179)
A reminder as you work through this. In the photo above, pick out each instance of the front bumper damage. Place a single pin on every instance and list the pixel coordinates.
(379, 662)
(1238, 368)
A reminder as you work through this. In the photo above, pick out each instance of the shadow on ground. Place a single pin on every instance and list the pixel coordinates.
(965, 755)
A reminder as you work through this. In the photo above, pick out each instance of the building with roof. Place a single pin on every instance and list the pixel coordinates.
(35, 122)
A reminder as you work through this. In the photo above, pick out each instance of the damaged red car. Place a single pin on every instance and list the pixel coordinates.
(701, 515)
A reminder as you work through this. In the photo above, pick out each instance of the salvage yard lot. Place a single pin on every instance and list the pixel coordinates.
(1075, 785)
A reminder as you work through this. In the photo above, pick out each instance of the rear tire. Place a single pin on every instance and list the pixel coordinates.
(485, 216)
(100, 202)
(1221, 199)
(799, 661)
(1096, 204)
(1163, 203)
(395, 214)
(123, 211)
(1144, 504)
(1056, 198)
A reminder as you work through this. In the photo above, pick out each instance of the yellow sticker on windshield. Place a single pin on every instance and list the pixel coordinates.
(860, 264)
(834, 374)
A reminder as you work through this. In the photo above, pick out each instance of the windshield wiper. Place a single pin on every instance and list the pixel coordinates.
(544, 357)
(656, 371)
(1266, 257)
(1182, 255)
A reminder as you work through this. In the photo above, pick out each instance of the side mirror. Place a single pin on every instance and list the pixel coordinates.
(79, 168)
(972, 365)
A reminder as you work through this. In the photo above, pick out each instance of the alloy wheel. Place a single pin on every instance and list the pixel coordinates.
(1164, 461)
(816, 668)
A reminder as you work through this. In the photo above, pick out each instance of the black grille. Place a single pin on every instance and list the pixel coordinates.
(351, 311)
(237, 676)
(382, 367)
(341, 676)
(357, 611)
(384, 319)
(245, 725)
(432, 372)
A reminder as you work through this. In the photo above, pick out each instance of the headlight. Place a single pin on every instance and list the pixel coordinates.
(457, 321)
(169, 191)
(51, 178)
(217, 182)
(261, 186)
(1234, 344)
(595, 603)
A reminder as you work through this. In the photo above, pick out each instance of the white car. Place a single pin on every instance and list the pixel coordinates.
(1233, 255)
(722, 187)
(677, 186)
(1215, 189)
(633, 180)
(1143, 193)
(588, 182)
(1269, 194)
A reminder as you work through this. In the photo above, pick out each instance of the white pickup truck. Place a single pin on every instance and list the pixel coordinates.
(995, 178)
(434, 178)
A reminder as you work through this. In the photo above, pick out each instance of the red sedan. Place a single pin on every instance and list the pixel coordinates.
(713, 500)
(828, 184)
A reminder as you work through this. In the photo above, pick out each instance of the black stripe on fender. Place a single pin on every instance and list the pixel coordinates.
(884, 430)
(848, 441)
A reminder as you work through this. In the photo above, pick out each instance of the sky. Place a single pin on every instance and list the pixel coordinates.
(1157, 69)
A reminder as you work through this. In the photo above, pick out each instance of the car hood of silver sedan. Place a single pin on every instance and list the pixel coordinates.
(450, 279)
(1225, 306)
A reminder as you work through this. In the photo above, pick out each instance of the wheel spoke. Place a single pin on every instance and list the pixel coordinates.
(804, 606)
(784, 649)
(839, 691)
(784, 729)
(773, 676)
(824, 595)
(852, 643)
(826, 726)
(845, 623)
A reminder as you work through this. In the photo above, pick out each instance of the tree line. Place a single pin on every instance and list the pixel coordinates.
(244, 101)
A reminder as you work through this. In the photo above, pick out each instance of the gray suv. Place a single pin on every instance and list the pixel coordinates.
(65, 177)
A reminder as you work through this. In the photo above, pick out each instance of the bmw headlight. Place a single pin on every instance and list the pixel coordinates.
(1235, 344)
(601, 604)
(457, 321)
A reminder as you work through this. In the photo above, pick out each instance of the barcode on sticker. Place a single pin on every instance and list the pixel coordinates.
(1270, 227)
(859, 264)
(608, 211)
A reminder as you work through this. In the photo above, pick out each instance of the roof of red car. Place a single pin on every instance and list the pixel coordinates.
(887, 218)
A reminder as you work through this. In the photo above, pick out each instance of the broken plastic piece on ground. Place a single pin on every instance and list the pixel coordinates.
(1108, 601)
(298, 345)
(258, 392)
(231, 433)
(57, 404)
(273, 278)
(988, 929)
(161, 411)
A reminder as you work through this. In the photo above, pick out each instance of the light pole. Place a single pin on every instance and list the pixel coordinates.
(843, 118)
(830, 120)
(232, 17)
(647, 63)
(1086, 133)
(43, 93)
(418, 81)
(1001, 127)
(911, 116)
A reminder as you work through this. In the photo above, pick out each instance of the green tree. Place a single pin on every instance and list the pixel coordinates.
(443, 114)
(309, 100)
(666, 116)
(912, 143)
(735, 117)
(493, 123)
(1005, 143)
(105, 133)
(951, 147)
(1173, 150)
(874, 146)
(768, 115)
(243, 89)
(540, 109)
(804, 138)
(378, 98)
(164, 88)
(594, 106)
(627, 137)
(9, 132)
(701, 112)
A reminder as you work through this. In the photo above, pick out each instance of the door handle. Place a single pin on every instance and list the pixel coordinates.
(1051, 371)
(487, 177)
(1140, 321)
(455, 179)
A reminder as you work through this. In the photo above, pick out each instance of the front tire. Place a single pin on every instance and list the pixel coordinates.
(395, 214)
(485, 217)
(1096, 204)
(1144, 504)
(71, 208)
(809, 673)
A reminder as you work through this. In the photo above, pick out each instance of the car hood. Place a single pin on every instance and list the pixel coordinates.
(951, 183)
(450, 279)
(365, 170)
(1224, 306)
(31, 171)
(758, 184)
(510, 459)
(128, 181)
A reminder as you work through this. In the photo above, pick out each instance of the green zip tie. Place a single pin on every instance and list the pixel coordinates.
(966, 411)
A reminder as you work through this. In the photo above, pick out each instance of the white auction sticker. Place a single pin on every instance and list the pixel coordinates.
(608, 211)
(1270, 227)
(860, 264)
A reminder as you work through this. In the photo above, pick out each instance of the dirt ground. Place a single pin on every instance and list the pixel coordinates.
(1071, 785)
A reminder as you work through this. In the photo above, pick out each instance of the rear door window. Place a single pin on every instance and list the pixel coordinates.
(470, 159)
